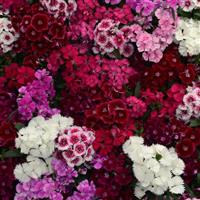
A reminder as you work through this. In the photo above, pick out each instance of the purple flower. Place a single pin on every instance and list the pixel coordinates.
(35, 96)
(85, 191)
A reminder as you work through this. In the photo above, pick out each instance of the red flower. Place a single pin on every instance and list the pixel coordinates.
(187, 74)
(194, 135)
(26, 20)
(103, 142)
(25, 75)
(57, 31)
(123, 176)
(104, 114)
(40, 22)
(32, 34)
(185, 148)
(7, 134)
(7, 186)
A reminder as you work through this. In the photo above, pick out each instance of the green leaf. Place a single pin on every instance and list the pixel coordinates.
(189, 190)
(12, 154)
(198, 178)
(195, 123)
(196, 14)
(137, 89)
(18, 126)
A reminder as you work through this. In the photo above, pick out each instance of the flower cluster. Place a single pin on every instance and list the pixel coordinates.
(35, 96)
(76, 145)
(39, 28)
(154, 43)
(85, 191)
(99, 98)
(156, 168)
(187, 36)
(108, 38)
(8, 35)
(37, 188)
(190, 108)
(188, 5)
(38, 141)
(60, 8)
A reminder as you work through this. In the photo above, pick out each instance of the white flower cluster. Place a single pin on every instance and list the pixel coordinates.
(188, 5)
(191, 105)
(8, 35)
(33, 168)
(38, 141)
(187, 35)
(156, 167)
(60, 8)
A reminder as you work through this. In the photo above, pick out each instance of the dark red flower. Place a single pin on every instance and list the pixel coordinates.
(40, 22)
(32, 34)
(123, 176)
(185, 148)
(194, 135)
(103, 142)
(7, 134)
(187, 74)
(102, 111)
(7, 179)
(26, 21)
(57, 31)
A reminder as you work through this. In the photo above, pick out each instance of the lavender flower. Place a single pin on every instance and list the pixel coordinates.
(38, 189)
(85, 191)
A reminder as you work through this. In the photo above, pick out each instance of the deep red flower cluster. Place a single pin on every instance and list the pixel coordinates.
(39, 31)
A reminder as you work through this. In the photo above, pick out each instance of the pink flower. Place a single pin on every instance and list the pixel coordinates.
(79, 149)
(62, 142)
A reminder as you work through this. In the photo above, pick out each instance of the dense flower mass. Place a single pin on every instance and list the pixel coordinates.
(187, 36)
(100, 99)
(155, 167)
(35, 96)
(8, 34)
(190, 108)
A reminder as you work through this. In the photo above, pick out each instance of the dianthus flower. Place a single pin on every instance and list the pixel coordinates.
(37, 139)
(137, 106)
(189, 5)
(190, 107)
(8, 34)
(86, 191)
(75, 143)
(156, 167)
(92, 71)
(35, 96)
(60, 8)
(38, 189)
(39, 31)
(187, 36)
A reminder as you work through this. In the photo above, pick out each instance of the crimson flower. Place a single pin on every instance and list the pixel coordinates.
(185, 148)
(32, 34)
(40, 22)
(25, 75)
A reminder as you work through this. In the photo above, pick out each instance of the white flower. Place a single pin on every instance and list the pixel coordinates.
(38, 138)
(187, 34)
(8, 34)
(156, 168)
(176, 185)
(139, 192)
(33, 168)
